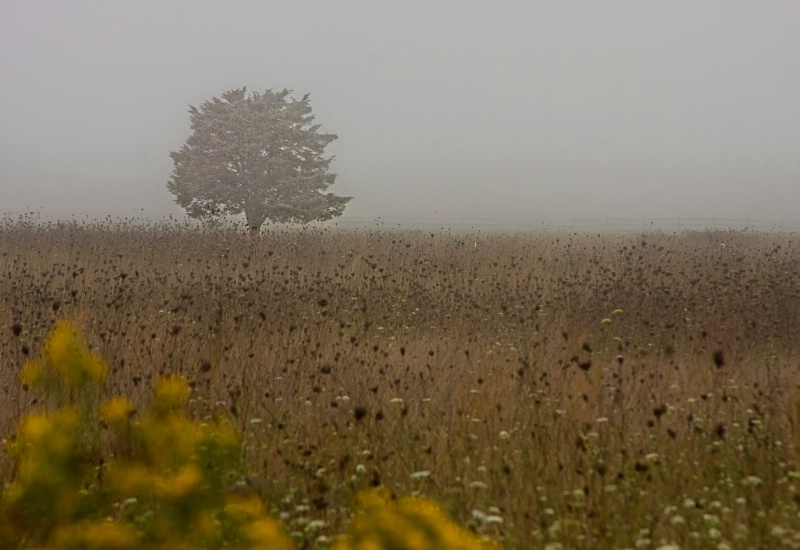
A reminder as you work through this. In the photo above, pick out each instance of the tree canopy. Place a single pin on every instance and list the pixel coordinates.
(255, 154)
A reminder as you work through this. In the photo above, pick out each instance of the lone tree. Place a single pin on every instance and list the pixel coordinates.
(256, 154)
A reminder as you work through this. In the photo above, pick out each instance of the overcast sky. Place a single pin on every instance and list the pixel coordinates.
(442, 108)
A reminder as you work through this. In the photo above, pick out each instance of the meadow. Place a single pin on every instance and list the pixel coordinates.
(549, 390)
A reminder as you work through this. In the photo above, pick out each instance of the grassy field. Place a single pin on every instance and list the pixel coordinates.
(549, 390)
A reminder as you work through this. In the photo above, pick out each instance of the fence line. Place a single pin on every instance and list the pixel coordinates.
(582, 225)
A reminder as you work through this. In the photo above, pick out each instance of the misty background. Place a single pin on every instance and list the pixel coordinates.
(447, 108)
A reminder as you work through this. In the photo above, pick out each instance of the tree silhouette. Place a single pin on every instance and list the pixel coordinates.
(255, 154)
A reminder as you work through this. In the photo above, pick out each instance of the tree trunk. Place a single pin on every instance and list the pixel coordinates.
(255, 218)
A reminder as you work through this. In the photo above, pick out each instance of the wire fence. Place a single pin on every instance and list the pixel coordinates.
(438, 223)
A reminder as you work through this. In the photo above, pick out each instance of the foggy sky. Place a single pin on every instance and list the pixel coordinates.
(443, 108)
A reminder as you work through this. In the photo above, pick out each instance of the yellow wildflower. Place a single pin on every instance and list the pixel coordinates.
(244, 507)
(53, 435)
(35, 426)
(68, 356)
(116, 411)
(179, 485)
(226, 435)
(406, 523)
(32, 373)
(100, 535)
(172, 392)
(207, 526)
(267, 533)
(130, 480)
(371, 543)
(95, 368)
(168, 440)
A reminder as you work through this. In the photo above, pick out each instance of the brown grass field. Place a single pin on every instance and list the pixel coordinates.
(550, 390)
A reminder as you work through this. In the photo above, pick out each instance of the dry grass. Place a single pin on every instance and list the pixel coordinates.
(471, 368)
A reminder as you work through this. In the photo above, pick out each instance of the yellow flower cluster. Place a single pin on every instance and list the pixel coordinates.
(95, 535)
(160, 490)
(66, 356)
(172, 393)
(48, 454)
(117, 411)
(167, 485)
(260, 531)
(408, 523)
